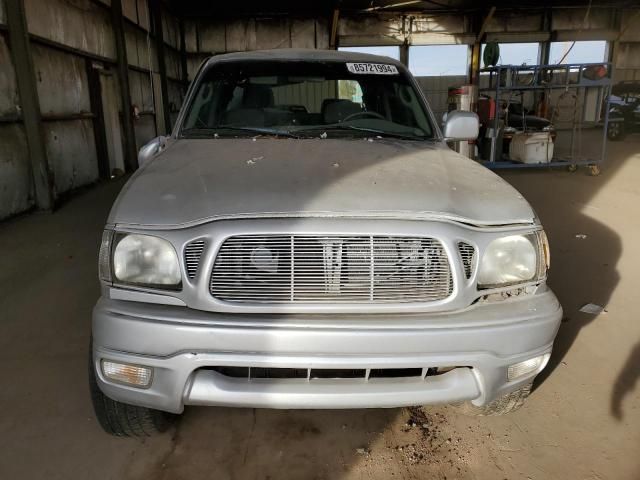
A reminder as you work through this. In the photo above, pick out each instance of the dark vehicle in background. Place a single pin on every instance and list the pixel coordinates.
(624, 110)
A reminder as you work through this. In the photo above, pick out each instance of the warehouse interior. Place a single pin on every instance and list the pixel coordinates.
(84, 84)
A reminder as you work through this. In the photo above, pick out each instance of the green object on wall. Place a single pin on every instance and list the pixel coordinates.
(491, 54)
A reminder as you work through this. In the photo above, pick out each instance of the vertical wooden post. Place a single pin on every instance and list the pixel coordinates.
(333, 37)
(29, 103)
(158, 34)
(474, 65)
(99, 129)
(474, 71)
(183, 55)
(128, 131)
(404, 53)
(545, 47)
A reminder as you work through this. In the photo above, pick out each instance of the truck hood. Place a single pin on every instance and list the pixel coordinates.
(198, 180)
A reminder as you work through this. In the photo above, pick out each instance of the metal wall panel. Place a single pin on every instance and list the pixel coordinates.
(81, 24)
(272, 33)
(191, 33)
(143, 15)
(173, 65)
(193, 64)
(141, 90)
(303, 33)
(145, 128)
(140, 48)
(129, 10)
(322, 33)
(9, 100)
(449, 24)
(208, 37)
(628, 55)
(72, 153)
(16, 190)
(241, 35)
(61, 81)
(514, 22)
(246, 34)
(577, 19)
(171, 29)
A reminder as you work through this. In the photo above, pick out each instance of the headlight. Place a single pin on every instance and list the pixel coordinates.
(513, 259)
(145, 260)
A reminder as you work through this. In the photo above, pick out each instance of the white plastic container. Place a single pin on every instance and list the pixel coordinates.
(534, 147)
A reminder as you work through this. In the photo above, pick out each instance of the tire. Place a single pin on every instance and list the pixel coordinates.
(615, 131)
(500, 406)
(124, 420)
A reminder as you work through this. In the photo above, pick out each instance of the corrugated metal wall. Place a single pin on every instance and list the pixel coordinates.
(16, 186)
(208, 36)
(65, 36)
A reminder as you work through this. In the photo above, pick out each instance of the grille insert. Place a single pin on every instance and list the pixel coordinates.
(192, 253)
(331, 269)
(310, 374)
(468, 257)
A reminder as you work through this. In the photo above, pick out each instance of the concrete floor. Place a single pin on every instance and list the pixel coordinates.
(581, 422)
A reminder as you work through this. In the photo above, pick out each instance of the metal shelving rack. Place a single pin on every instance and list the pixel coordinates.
(504, 79)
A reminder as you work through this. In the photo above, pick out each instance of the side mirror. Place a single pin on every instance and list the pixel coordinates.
(460, 126)
(148, 151)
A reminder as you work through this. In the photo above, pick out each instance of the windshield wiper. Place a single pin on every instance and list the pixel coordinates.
(222, 129)
(343, 126)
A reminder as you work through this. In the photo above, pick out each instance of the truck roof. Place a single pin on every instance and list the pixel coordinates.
(302, 54)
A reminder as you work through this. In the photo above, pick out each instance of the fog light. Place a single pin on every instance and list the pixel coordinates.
(521, 369)
(134, 375)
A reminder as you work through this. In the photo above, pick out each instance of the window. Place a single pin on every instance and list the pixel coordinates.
(303, 99)
(581, 52)
(516, 54)
(438, 60)
(393, 52)
(350, 90)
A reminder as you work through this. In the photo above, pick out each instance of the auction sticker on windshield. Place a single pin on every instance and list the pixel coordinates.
(374, 68)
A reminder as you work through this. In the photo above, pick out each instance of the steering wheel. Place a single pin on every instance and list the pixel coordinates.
(363, 114)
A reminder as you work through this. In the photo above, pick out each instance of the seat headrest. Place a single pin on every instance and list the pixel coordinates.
(336, 110)
(257, 96)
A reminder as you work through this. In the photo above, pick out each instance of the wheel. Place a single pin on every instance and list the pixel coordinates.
(615, 131)
(595, 170)
(505, 404)
(572, 168)
(124, 420)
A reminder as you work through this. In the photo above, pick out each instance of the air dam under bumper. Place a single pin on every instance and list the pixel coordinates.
(182, 345)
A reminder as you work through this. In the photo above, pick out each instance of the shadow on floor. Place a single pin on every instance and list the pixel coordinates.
(625, 382)
(583, 269)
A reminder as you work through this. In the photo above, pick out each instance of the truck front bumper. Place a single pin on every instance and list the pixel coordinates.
(186, 348)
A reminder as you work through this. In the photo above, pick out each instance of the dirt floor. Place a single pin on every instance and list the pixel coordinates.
(581, 422)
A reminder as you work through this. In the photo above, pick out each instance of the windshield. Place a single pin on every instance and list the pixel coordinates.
(303, 99)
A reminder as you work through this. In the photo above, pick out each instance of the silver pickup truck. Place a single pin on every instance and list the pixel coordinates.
(306, 239)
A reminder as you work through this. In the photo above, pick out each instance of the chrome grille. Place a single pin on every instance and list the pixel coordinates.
(330, 269)
(192, 253)
(468, 257)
